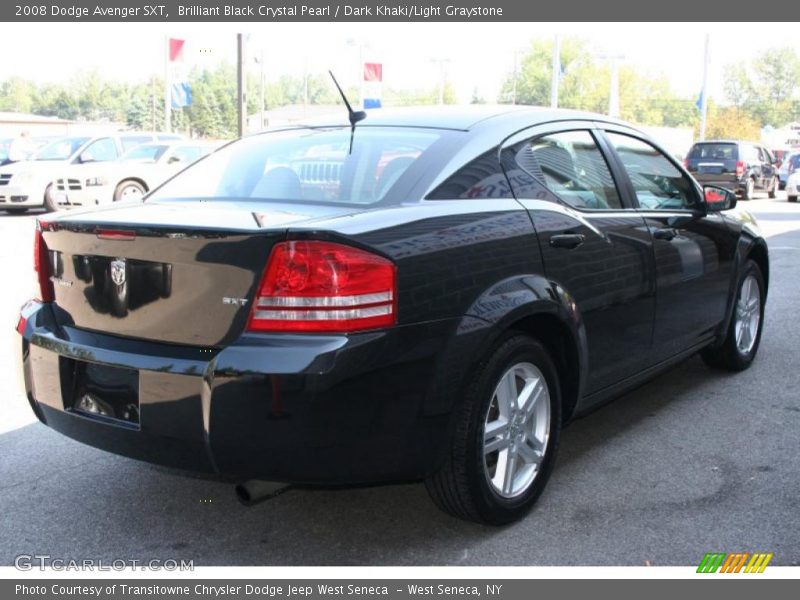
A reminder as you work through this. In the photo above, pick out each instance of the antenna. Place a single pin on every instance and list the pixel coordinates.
(354, 115)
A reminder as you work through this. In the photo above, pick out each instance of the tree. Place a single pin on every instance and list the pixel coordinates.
(765, 89)
(730, 122)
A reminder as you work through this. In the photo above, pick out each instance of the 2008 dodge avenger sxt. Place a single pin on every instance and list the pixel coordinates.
(430, 294)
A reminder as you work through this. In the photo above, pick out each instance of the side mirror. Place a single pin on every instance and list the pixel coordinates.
(85, 157)
(718, 199)
(174, 159)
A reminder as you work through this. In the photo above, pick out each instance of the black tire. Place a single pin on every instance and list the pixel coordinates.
(128, 183)
(461, 486)
(16, 211)
(773, 191)
(727, 355)
(50, 204)
(791, 198)
(749, 189)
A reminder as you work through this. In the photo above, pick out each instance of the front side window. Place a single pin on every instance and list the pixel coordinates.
(571, 165)
(305, 165)
(657, 182)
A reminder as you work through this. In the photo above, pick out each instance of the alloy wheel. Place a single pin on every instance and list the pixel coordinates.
(748, 314)
(516, 430)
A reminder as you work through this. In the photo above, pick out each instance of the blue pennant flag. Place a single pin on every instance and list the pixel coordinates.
(181, 95)
(700, 99)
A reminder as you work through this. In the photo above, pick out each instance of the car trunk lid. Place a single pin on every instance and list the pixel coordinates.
(179, 272)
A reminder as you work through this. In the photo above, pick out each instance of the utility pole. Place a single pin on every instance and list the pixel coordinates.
(167, 88)
(703, 94)
(241, 104)
(556, 74)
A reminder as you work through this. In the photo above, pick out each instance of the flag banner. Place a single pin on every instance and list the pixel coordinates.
(700, 100)
(373, 71)
(176, 49)
(181, 94)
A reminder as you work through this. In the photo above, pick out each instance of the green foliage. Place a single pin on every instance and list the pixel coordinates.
(585, 84)
(764, 89)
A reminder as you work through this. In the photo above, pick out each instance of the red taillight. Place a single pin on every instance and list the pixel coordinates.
(312, 286)
(116, 234)
(686, 163)
(739, 168)
(41, 264)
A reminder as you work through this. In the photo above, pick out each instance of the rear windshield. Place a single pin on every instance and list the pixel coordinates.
(305, 165)
(714, 151)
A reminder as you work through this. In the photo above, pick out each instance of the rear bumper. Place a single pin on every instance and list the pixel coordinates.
(300, 409)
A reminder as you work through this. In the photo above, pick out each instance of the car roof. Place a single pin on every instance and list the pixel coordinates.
(461, 118)
(727, 142)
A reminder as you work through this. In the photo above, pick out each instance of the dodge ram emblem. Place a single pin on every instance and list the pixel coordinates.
(118, 271)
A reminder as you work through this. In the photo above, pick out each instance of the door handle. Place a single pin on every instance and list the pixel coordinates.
(665, 233)
(569, 241)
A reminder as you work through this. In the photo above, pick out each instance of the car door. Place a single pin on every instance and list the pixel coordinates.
(594, 246)
(693, 250)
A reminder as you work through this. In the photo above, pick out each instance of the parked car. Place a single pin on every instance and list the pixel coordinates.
(793, 186)
(29, 183)
(136, 172)
(292, 308)
(743, 167)
(789, 165)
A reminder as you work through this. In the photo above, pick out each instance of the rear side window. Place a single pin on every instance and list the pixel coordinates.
(131, 141)
(482, 177)
(571, 165)
(306, 165)
(714, 152)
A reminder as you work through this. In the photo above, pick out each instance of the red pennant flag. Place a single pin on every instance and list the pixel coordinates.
(176, 49)
(373, 72)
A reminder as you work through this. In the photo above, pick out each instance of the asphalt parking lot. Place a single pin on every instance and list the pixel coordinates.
(695, 461)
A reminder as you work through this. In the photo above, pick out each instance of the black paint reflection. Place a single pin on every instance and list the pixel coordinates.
(117, 285)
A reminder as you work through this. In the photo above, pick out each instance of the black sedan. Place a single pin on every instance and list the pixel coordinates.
(429, 296)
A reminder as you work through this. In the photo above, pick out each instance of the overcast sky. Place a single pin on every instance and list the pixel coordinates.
(479, 54)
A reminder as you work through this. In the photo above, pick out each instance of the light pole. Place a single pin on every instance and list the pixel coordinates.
(260, 61)
(360, 45)
(442, 75)
(703, 94)
(613, 92)
(556, 72)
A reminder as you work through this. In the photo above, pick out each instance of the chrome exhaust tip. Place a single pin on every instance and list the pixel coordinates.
(255, 491)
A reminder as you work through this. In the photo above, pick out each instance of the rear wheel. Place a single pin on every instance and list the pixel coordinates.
(738, 350)
(504, 445)
(791, 198)
(129, 190)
